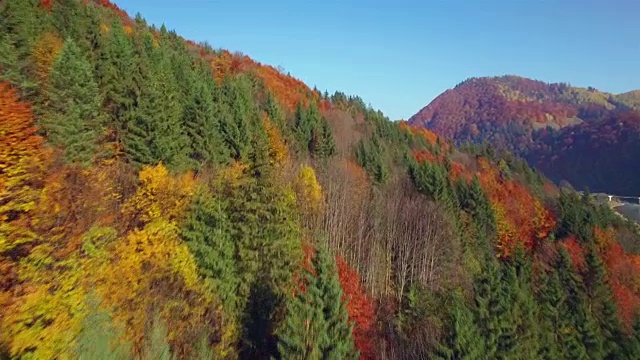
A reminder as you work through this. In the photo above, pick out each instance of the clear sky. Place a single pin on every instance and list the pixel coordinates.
(399, 55)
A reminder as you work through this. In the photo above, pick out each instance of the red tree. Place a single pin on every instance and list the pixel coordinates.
(359, 307)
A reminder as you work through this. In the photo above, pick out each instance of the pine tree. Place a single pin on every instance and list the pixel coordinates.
(324, 143)
(317, 321)
(20, 24)
(462, 339)
(304, 328)
(575, 333)
(492, 299)
(552, 322)
(201, 119)
(524, 309)
(603, 306)
(73, 119)
(207, 232)
(115, 66)
(156, 134)
(632, 348)
(237, 115)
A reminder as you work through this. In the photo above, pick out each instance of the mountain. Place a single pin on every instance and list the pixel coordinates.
(161, 199)
(587, 137)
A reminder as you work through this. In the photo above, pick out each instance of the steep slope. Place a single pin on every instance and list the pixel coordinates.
(530, 118)
(161, 199)
(601, 155)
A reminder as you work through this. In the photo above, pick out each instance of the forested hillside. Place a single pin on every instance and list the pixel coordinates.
(160, 199)
(581, 135)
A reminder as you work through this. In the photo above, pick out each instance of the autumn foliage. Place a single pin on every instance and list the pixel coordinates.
(288, 90)
(360, 308)
(245, 215)
(521, 217)
(562, 130)
(575, 250)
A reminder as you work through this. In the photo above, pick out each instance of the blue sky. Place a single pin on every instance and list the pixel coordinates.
(399, 55)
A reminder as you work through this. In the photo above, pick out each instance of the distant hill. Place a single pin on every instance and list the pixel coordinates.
(585, 136)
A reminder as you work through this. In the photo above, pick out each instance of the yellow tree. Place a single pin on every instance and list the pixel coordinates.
(278, 152)
(22, 162)
(159, 195)
(152, 271)
(43, 320)
(309, 196)
(21, 165)
(44, 54)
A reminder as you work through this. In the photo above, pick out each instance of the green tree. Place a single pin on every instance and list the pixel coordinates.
(21, 21)
(603, 306)
(495, 294)
(324, 145)
(201, 119)
(207, 232)
(632, 348)
(73, 119)
(575, 332)
(552, 321)
(524, 309)
(462, 339)
(266, 242)
(98, 338)
(238, 115)
(156, 134)
(115, 66)
(317, 324)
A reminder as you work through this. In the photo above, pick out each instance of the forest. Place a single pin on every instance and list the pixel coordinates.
(162, 199)
(578, 135)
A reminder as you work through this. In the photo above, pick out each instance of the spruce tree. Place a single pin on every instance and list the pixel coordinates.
(201, 120)
(524, 309)
(304, 328)
(238, 115)
(116, 64)
(207, 233)
(267, 250)
(137, 131)
(273, 110)
(575, 333)
(462, 339)
(339, 341)
(325, 145)
(317, 324)
(489, 307)
(21, 21)
(632, 347)
(603, 306)
(156, 134)
(304, 125)
(73, 119)
(551, 321)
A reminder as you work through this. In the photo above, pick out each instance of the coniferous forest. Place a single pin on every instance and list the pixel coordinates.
(162, 199)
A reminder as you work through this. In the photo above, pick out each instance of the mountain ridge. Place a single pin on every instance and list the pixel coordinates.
(534, 119)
